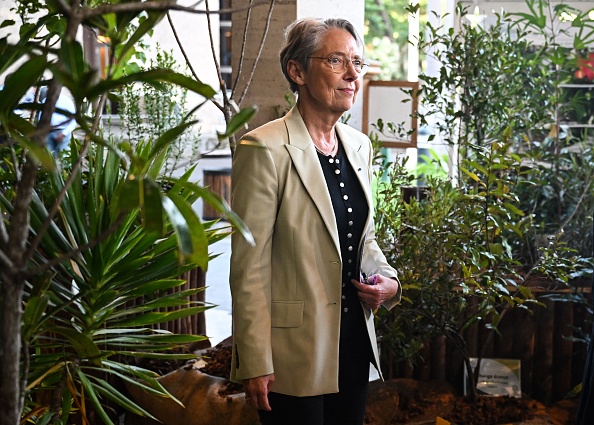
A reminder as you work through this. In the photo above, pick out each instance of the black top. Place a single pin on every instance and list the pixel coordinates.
(350, 209)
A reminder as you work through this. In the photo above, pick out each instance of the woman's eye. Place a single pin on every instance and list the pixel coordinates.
(334, 60)
(357, 62)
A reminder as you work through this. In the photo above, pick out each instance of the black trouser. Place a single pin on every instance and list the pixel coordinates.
(347, 407)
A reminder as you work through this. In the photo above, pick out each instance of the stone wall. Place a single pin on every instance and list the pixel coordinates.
(268, 87)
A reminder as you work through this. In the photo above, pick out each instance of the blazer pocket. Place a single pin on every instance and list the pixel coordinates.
(287, 314)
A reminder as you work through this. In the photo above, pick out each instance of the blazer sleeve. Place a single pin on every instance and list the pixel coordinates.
(254, 198)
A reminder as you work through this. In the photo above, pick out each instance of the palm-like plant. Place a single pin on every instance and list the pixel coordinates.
(94, 309)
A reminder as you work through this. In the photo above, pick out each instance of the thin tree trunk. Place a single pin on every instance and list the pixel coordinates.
(12, 286)
(12, 379)
(388, 29)
(10, 340)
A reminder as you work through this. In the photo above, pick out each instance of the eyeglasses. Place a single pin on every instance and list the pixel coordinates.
(339, 63)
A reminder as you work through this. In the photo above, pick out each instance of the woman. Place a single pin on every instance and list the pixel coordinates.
(302, 322)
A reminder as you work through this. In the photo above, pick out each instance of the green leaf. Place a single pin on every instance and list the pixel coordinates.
(39, 153)
(19, 82)
(238, 121)
(153, 318)
(152, 207)
(128, 196)
(470, 174)
(116, 396)
(90, 392)
(219, 204)
(164, 140)
(34, 309)
(153, 77)
(156, 286)
(26, 28)
(146, 195)
(57, 25)
(82, 343)
(7, 23)
(159, 339)
(145, 26)
(73, 59)
(514, 209)
(192, 230)
(143, 378)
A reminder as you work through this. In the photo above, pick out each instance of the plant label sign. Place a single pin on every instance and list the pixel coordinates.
(497, 377)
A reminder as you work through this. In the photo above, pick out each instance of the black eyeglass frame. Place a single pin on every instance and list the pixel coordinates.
(364, 66)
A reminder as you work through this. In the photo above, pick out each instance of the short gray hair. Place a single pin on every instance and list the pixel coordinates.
(304, 36)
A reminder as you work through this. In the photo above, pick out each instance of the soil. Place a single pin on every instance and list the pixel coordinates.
(491, 411)
(487, 411)
(411, 402)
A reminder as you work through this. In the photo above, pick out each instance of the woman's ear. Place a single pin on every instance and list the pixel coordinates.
(296, 72)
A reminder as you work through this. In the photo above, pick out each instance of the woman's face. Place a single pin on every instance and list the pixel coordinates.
(328, 90)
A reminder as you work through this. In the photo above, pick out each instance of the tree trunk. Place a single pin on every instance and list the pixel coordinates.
(10, 337)
(388, 29)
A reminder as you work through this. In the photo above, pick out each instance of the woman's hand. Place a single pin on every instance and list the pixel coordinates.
(256, 391)
(379, 290)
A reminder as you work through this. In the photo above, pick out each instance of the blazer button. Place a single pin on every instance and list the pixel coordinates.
(346, 310)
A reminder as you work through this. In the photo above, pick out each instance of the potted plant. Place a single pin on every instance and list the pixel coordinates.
(461, 252)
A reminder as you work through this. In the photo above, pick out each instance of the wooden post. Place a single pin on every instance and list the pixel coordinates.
(219, 182)
(542, 388)
(563, 349)
(523, 347)
(438, 358)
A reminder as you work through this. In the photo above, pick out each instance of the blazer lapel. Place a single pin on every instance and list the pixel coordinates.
(305, 159)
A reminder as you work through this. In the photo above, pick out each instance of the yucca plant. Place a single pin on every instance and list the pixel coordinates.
(95, 310)
(106, 275)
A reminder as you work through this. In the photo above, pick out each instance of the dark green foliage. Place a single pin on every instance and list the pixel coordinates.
(467, 253)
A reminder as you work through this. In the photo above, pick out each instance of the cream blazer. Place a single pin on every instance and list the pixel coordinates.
(286, 290)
